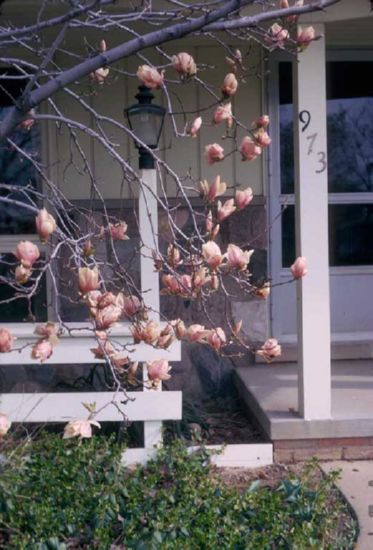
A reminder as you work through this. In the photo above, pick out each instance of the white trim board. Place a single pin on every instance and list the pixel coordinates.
(250, 455)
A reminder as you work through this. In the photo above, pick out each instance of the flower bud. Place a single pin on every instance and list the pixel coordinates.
(5, 424)
(45, 224)
(6, 340)
(299, 268)
(150, 77)
(184, 64)
(88, 279)
(230, 85)
(27, 253)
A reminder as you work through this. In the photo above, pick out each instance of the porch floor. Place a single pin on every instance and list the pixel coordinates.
(271, 393)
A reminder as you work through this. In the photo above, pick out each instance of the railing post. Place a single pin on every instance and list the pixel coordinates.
(148, 219)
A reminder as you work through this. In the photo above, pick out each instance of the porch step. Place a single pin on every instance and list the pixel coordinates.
(341, 350)
(270, 392)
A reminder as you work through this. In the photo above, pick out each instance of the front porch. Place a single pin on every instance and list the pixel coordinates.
(270, 392)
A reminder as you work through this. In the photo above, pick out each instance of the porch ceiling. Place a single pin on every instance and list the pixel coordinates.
(271, 394)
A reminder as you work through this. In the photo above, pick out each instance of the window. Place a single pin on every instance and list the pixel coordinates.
(18, 173)
(350, 162)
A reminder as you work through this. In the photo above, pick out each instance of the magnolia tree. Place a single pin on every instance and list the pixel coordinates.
(193, 267)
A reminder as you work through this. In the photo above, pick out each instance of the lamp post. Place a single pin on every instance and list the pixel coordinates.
(146, 122)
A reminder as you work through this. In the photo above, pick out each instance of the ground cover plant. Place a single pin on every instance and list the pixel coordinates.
(55, 494)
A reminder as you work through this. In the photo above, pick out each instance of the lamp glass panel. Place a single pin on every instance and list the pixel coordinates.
(147, 126)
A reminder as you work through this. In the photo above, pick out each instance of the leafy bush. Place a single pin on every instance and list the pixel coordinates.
(56, 494)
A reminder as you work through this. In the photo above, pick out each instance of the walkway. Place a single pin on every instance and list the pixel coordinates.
(356, 484)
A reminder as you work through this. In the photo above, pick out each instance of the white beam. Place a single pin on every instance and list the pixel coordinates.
(311, 206)
(61, 407)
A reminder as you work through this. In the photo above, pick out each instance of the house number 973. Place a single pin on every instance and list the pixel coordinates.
(305, 119)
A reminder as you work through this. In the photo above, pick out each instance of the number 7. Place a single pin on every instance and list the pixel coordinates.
(311, 139)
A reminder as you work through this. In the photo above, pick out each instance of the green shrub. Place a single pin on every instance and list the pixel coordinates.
(56, 494)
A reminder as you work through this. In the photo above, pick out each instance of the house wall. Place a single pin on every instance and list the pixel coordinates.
(69, 170)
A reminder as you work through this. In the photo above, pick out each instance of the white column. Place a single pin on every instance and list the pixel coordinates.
(311, 206)
(148, 220)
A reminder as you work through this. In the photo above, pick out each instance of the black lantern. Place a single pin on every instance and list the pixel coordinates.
(146, 122)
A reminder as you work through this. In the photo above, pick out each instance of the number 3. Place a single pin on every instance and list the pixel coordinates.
(322, 161)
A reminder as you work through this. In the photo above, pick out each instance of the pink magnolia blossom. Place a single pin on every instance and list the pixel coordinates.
(238, 258)
(212, 254)
(209, 223)
(5, 424)
(177, 285)
(106, 299)
(270, 350)
(131, 372)
(277, 36)
(6, 340)
(119, 360)
(92, 299)
(88, 279)
(216, 338)
(210, 192)
(79, 428)
(150, 77)
(305, 37)
(22, 274)
(173, 255)
(107, 317)
(148, 333)
(27, 253)
(212, 229)
(214, 153)
(100, 75)
(118, 231)
(243, 197)
(299, 268)
(194, 127)
(223, 113)
(166, 337)
(158, 371)
(261, 122)
(200, 278)
(225, 210)
(47, 330)
(104, 348)
(197, 333)
(230, 85)
(45, 224)
(184, 64)
(179, 328)
(249, 149)
(42, 350)
(236, 62)
(131, 305)
(262, 138)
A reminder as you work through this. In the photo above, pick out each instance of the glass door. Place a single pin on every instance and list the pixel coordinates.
(350, 174)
